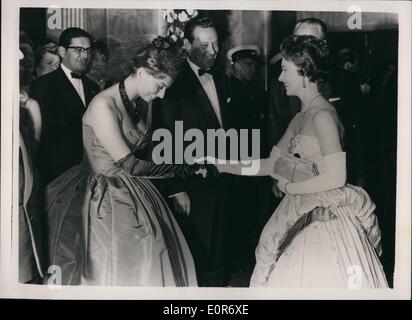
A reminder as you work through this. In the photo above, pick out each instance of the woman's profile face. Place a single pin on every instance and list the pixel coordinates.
(290, 77)
(153, 87)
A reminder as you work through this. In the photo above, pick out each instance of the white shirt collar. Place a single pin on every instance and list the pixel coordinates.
(76, 83)
(68, 72)
(194, 67)
(209, 88)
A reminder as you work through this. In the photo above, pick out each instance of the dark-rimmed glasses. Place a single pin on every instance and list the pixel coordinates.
(80, 50)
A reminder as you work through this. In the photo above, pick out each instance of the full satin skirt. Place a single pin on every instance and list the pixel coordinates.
(110, 228)
(321, 240)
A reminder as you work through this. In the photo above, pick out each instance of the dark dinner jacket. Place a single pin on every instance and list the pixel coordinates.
(62, 110)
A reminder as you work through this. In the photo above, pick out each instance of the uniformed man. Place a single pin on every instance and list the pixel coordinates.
(245, 104)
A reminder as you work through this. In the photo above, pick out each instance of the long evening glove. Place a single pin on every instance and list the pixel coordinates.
(332, 176)
(148, 169)
(278, 164)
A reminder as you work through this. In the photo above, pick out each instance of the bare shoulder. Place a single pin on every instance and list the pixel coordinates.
(102, 105)
(326, 125)
(324, 114)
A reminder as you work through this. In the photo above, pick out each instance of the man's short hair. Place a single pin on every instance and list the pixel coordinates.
(68, 34)
(313, 22)
(190, 26)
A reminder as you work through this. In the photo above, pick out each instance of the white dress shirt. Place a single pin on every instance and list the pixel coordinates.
(208, 85)
(77, 83)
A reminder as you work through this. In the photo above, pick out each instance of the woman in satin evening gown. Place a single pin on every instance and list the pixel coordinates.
(108, 224)
(324, 233)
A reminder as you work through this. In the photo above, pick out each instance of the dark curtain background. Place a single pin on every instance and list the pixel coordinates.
(33, 22)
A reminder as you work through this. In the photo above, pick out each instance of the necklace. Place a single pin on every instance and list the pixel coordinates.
(133, 110)
(311, 101)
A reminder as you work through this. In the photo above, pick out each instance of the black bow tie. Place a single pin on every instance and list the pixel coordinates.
(76, 76)
(203, 71)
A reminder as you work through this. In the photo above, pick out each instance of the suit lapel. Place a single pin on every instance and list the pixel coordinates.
(220, 85)
(204, 102)
(89, 91)
(69, 94)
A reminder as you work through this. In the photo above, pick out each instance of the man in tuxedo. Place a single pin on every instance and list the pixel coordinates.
(198, 98)
(63, 96)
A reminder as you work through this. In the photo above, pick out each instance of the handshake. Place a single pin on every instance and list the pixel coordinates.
(205, 170)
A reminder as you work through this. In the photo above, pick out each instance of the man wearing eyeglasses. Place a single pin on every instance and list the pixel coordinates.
(63, 96)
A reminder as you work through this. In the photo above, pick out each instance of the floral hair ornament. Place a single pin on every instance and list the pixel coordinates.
(176, 20)
(161, 43)
(152, 63)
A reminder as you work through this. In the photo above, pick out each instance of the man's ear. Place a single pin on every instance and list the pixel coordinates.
(62, 51)
(187, 45)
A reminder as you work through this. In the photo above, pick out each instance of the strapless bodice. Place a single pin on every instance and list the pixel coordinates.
(305, 147)
(95, 155)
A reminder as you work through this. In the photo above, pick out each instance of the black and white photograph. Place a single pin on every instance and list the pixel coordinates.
(206, 149)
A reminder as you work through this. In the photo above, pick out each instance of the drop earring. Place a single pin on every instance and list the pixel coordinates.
(303, 83)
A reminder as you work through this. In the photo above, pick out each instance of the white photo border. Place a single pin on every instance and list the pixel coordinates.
(9, 286)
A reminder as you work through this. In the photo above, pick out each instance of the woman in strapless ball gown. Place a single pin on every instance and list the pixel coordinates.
(108, 224)
(324, 233)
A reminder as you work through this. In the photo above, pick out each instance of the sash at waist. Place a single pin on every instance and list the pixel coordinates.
(101, 165)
